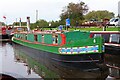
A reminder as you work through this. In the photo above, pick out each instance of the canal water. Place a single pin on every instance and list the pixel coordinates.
(13, 62)
(11, 66)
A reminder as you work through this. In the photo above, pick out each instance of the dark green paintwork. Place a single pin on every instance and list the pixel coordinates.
(39, 38)
(30, 37)
(48, 39)
(73, 39)
(76, 36)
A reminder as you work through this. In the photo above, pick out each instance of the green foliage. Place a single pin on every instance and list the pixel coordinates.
(33, 26)
(2, 23)
(54, 24)
(74, 11)
(98, 15)
(96, 29)
(44, 24)
(39, 24)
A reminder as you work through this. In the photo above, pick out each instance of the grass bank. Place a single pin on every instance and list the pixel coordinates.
(97, 29)
(90, 29)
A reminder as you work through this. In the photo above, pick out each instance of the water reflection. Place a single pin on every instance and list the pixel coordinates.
(0, 57)
(40, 69)
(113, 62)
(11, 66)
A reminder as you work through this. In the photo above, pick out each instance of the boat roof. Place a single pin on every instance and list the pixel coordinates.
(102, 32)
(43, 32)
(47, 32)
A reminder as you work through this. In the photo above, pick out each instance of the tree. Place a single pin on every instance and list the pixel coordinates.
(42, 23)
(33, 26)
(2, 24)
(98, 15)
(54, 24)
(74, 11)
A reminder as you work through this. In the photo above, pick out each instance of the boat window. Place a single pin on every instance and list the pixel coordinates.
(18, 35)
(114, 38)
(55, 39)
(21, 36)
(35, 37)
(42, 38)
(106, 37)
(97, 35)
(25, 36)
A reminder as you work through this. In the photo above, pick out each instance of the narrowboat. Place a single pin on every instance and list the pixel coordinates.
(111, 40)
(68, 49)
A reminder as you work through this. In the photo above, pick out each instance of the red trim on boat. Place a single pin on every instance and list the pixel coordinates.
(91, 35)
(63, 39)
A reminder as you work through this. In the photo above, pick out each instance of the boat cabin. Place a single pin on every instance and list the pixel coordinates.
(52, 37)
(109, 36)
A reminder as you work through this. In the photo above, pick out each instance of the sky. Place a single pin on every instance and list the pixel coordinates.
(47, 9)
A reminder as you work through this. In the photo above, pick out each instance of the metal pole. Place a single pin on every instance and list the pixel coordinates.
(36, 15)
(20, 22)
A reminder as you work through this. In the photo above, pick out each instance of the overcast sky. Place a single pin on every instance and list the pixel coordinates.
(47, 9)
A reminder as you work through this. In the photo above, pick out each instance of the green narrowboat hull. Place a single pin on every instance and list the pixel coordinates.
(56, 49)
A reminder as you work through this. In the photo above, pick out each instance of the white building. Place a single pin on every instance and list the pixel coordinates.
(119, 8)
